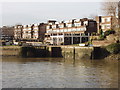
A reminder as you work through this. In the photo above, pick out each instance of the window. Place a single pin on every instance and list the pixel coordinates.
(65, 30)
(61, 26)
(108, 20)
(69, 30)
(69, 25)
(78, 29)
(26, 31)
(48, 27)
(85, 22)
(61, 30)
(103, 20)
(108, 26)
(103, 27)
(35, 27)
(53, 26)
(77, 24)
(73, 29)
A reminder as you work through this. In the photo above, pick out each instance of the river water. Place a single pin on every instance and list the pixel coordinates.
(58, 73)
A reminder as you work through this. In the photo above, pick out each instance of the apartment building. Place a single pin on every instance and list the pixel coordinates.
(70, 32)
(38, 31)
(18, 32)
(27, 32)
(106, 22)
(31, 32)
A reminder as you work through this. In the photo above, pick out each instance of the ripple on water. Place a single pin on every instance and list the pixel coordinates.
(37, 73)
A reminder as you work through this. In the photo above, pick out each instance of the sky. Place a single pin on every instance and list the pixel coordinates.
(36, 12)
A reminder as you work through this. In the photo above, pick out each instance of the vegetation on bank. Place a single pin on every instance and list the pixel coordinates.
(114, 51)
(108, 32)
(103, 35)
(113, 57)
(113, 48)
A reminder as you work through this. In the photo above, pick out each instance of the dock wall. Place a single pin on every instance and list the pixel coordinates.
(9, 50)
(70, 52)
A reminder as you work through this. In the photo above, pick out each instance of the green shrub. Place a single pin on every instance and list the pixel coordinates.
(101, 32)
(101, 37)
(114, 48)
(19, 43)
(94, 33)
(108, 32)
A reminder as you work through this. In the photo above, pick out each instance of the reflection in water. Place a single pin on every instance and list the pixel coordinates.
(59, 73)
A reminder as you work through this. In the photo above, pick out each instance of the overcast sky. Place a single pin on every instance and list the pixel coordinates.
(36, 12)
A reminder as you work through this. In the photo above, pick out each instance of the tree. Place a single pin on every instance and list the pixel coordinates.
(111, 8)
(119, 14)
(101, 32)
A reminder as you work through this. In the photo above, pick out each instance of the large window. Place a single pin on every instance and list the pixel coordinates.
(35, 27)
(53, 26)
(61, 26)
(77, 24)
(65, 30)
(69, 30)
(73, 29)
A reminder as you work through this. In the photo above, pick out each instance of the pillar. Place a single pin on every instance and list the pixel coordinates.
(80, 38)
(71, 38)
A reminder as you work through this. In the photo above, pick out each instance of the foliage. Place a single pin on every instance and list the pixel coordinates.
(108, 32)
(88, 43)
(94, 33)
(101, 37)
(19, 43)
(101, 32)
(114, 48)
(111, 9)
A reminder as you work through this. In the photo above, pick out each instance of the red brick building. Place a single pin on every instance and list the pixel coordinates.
(70, 32)
(32, 32)
(18, 32)
(104, 23)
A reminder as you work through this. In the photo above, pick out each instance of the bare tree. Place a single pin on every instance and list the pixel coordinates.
(111, 8)
(119, 14)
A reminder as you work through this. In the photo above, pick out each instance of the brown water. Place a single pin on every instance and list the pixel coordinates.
(58, 73)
